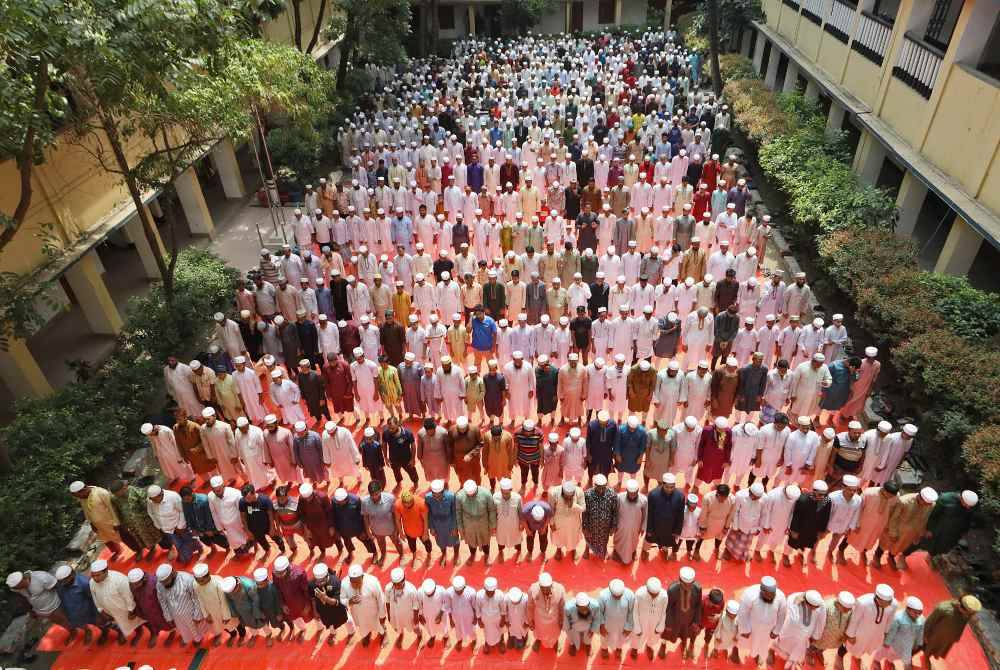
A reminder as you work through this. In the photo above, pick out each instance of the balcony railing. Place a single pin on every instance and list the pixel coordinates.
(919, 64)
(794, 4)
(872, 38)
(813, 10)
(840, 21)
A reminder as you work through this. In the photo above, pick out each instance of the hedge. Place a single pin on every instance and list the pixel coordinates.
(84, 430)
(942, 332)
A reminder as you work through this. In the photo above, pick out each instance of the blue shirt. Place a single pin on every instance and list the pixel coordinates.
(402, 231)
(629, 447)
(484, 333)
(77, 602)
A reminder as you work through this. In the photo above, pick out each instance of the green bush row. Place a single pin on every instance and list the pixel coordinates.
(86, 429)
(942, 332)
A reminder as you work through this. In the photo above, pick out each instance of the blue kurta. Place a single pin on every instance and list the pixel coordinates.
(600, 444)
(630, 447)
(840, 388)
(442, 519)
(77, 602)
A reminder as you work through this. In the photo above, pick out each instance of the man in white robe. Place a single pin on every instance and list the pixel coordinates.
(340, 450)
(695, 394)
(433, 612)
(227, 331)
(508, 533)
(177, 377)
(364, 374)
(462, 611)
(632, 510)
(667, 393)
(799, 454)
(520, 378)
(809, 382)
(618, 605)
(403, 604)
(253, 453)
(172, 463)
(450, 383)
(286, 395)
(870, 619)
(491, 611)
(566, 526)
(113, 597)
(762, 613)
(845, 511)
(224, 503)
(250, 390)
(220, 445)
(805, 619)
(776, 516)
(218, 615)
(649, 617)
(364, 599)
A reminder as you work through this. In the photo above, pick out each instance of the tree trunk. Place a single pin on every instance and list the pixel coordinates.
(667, 11)
(713, 45)
(148, 226)
(435, 26)
(318, 28)
(346, 47)
(297, 23)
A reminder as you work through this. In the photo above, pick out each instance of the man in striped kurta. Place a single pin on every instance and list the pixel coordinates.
(179, 600)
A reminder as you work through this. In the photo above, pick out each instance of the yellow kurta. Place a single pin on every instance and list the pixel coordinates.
(907, 524)
(458, 338)
(213, 602)
(101, 514)
(401, 307)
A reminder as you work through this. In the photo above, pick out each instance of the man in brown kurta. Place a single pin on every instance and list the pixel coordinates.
(499, 454)
(465, 444)
(725, 383)
(639, 385)
(907, 524)
(188, 438)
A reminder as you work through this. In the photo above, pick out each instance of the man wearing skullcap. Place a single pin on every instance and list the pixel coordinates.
(584, 616)
(476, 518)
(378, 510)
(617, 603)
(946, 624)
(148, 606)
(761, 614)
(872, 615)
(220, 445)
(465, 444)
(77, 604)
(113, 597)
(462, 611)
(175, 590)
(137, 529)
(214, 603)
(364, 598)
(904, 637)
(199, 519)
(224, 503)
(949, 522)
(600, 516)
(866, 376)
(364, 377)
(403, 605)
(804, 623)
(684, 612)
(172, 462)
(906, 526)
(98, 508)
(339, 385)
(877, 503)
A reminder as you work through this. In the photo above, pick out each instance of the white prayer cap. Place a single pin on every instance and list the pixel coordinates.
(855, 425)
(575, 433)
(800, 275)
(216, 481)
(242, 359)
(462, 421)
(668, 478)
(721, 422)
(136, 575)
(278, 320)
(515, 594)
(529, 424)
(846, 599)
(970, 498)
(884, 426)
(369, 432)
(146, 428)
(268, 358)
(829, 433)
(340, 495)
(620, 358)
(632, 486)
(518, 355)
(77, 486)
(653, 585)
(871, 352)
(275, 374)
(242, 421)
(543, 359)
(397, 575)
(545, 579)
(568, 487)
(260, 575)
(692, 498)
(358, 351)
(153, 491)
(208, 412)
(300, 426)
(164, 571)
(195, 364)
(228, 584)
(689, 282)
(851, 482)
(732, 361)
(582, 599)
(768, 583)
(644, 365)
(821, 486)
(305, 489)
(750, 429)
(687, 574)
(100, 565)
(910, 429)
(437, 486)
(818, 357)
(733, 607)
(490, 583)
(470, 487)
(600, 479)
(458, 582)
(757, 489)
(553, 437)
(200, 570)
(928, 495)
(818, 322)
(703, 365)
(355, 571)
(792, 491)
(428, 586)
(617, 587)
(633, 421)
(814, 598)
(804, 420)
(884, 592)
(914, 603)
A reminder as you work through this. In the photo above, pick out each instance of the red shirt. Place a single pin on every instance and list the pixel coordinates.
(711, 613)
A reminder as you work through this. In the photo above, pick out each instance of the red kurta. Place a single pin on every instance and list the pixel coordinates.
(713, 456)
(295, 594)
(314, 513)
(339, 386)
(702, 204)
(710, 174)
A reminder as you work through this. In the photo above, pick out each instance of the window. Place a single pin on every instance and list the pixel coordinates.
(446, 17)
(989, 62)
(886, 9)
(605, 11)
(942, 22)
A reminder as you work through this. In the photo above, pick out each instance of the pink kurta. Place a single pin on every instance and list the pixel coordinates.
(862, 386)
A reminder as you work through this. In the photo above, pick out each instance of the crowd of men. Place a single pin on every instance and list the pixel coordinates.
(538, 261)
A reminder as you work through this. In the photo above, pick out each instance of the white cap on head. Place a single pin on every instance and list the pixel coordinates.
(884, 592)
(305, 489)
(437, 486)
(506, 484)
(814, 598)
(721, 422)
(854, 425)
(242, 422)
(63, 571)
(970, 498)
(691, 422)
(668, 478)
(146, 428)
(281, 563)
(429, 586)
(871, 352)
(216, 481)
(910, 429)
(617, 587)
(914, 603)
(470, 487)
(545, 579)
(750, 429)
(821, 486)
(340, 495)
(851, 482)
(490, 583)
(260, 575)
(600, 479)
(804, 420)
(768, 583)
(846, 599)
(458, 582)
(164, 571)
(397, 575)
(100, 565)
(884, 426)
(733, 607)
(355, 571)
(632, 486)
(757, 489)
(687, 574)
(200, 570)
(692, 499)
(829, 433)
(136, 575)
(654, 585)
(928, 495)
(228, 584)
(77, 486)
(153, 490)
(582, 599)
(515, 594)
(320, 570)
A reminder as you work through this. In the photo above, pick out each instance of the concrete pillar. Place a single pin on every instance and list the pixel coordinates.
(472, 20)
(758, 53)
(136, 235)
(667, 11)
(20, 372)
(745, 44)
(154, 207)
(959, 249)
(91, 293)
(772, 67)
(791, 77)
(618, 12)
(812, 91)
(835, 119)
(909, 201)
(224, 159)
(869, 158)
(193, 203)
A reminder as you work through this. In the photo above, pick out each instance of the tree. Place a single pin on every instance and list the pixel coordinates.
(523, 15)
(723, 20)
(374, 31)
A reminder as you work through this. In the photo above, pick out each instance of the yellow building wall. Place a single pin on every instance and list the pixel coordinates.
(906, 111)
(809, 39)
(989, 195)
(861, 78)
(965, 131)
(832, 56)
(772, 12)
(788, 24)
(282, 29)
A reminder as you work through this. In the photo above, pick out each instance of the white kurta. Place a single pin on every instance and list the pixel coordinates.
(169, 456)
(286, 396)
(802, 624)
(566, 527)
(759, 619)
(868, 625)
(249, 386)
(114, 598)
(517, 618)
(695, 394)
(220, 445)
(807, 387)
(341, 452)
(649, 616)
(490, 609)
(462, 607)
(631, 525)
(369, 612)
(226, 514)
(431, 608)
(179, 386)
(520, 383)
(574, 455)
(365, 374)
(213, 603)
(402, 603)
(508, 519)
(253, 454)
(775, 518)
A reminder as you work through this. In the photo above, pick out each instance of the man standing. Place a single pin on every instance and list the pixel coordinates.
(632, 521)
(179, 600)
(296, 597)
(498, 455)
(747, 522)
(166, 509)
(762, 613)
(946, 624)
(508, 506)
(666, 516)
(600, 517)
(112, 597)
(877, 503)
(906, 526)
(224, 502)
(805, 620)
(810, 519)
(462, 611)
(775, 519)
(871, 618)
(363, 597)
(99, 510)
(546, 606)
(650, 614)
(584, 617)
(845, 510)
(378, 510)
(617, 604)
(476, 518)
(403, 605)
(684, 609)
(491, 611)
(434, 611)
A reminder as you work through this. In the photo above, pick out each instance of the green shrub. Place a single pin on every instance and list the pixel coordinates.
(86, 429)
(971, 313)
(736, 66)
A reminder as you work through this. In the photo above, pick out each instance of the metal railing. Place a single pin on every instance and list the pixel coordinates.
(919, 64)
(814, 10)
(840, 20)
(872, 37)
(794, 4)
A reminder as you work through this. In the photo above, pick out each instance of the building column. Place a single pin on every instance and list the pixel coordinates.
(959, 249)
(869, 158)
(224, 159)
(667, 11)
(472, 20)
(745, 45)
(772, 67)
(791, 77)
(618, 12)
(137, 236)
(193, 203)
(812, 91)
(154, 207)
(758, 52)
(835, 119)
(909, 201)
(20, 372)
(91, 293)
(569, 16)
